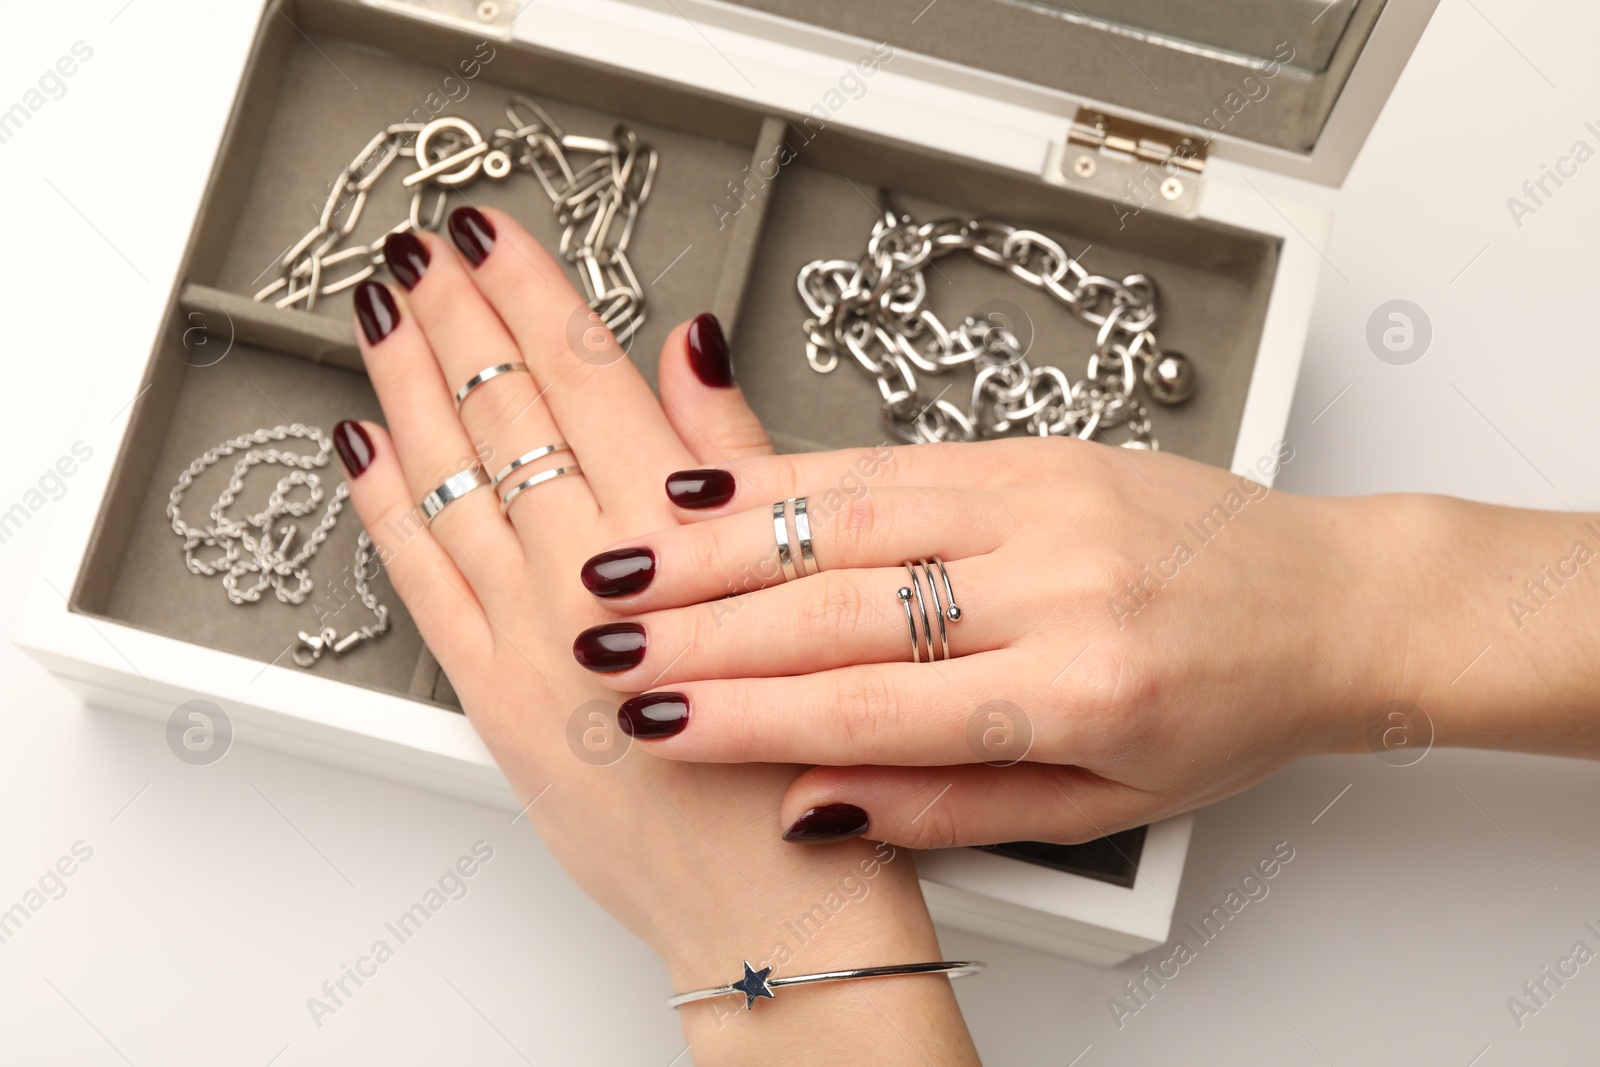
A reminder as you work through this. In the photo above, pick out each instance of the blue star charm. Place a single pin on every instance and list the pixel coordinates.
(753, 985)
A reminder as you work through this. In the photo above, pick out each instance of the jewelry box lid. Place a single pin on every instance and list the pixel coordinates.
(1292, 86)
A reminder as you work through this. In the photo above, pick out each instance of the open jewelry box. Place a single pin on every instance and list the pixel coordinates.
(976, 108)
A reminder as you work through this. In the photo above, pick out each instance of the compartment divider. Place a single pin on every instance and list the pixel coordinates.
(749, 222)
(313, 337)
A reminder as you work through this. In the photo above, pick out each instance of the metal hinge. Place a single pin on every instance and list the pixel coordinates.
(1142, 166)
(493, 17)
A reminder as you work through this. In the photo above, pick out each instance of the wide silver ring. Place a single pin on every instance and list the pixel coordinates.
(452, 489)
(528, 457)
(486, 374)
(538, 479)
(795, 564)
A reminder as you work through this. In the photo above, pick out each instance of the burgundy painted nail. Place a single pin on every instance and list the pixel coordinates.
(616, 646)
(472, 233)
(654, 715)
(407, 257)
(376, 310)
(700, 489)
(708, 352)
(350, 440)
(619, 572)
(830, 822)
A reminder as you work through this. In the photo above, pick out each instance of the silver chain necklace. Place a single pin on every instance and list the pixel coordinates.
(597, 203)
(255, 550)
(875, 311)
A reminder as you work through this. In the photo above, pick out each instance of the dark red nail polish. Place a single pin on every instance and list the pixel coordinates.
(830, 822)
(376, 310)
(654, 715)
(472, 233)
(350, 440)
(407, 257)
(700, 489)
(619, 572)
(708, 352)
(616, 646)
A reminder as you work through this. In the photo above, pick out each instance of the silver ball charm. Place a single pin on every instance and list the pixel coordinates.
(1170, 378)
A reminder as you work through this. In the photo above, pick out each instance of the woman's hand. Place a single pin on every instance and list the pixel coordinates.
(687, 856)
(1143, 633)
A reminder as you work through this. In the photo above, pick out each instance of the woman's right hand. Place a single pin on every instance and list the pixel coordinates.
(686, 856)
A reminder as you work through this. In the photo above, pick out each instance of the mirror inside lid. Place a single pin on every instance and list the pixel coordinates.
(1274, 78)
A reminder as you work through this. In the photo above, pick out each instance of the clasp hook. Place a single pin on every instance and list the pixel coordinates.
(312, 646)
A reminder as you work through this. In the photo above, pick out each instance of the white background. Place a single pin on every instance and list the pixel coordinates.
(218, 899)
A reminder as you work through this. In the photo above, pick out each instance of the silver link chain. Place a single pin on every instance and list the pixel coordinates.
(597, 204)
(253, 552)
(874, 311)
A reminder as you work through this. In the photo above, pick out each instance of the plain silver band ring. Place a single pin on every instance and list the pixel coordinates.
(538, 479)
(528, 457)
(802, 530)
(452, 489)
(484, 375)
(780, 534)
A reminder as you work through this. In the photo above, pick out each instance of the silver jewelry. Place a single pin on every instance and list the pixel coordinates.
(597, 198)
(758, 983)
(528, 457)
(486, 374)
(452, 489)
(538, 479)
(915, 590)
(805, 563)
(875, 311)
(257, 545)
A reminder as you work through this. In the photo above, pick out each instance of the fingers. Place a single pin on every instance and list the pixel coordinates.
(504, 415)
(830, 478)
(944, 807)
(429, 440)
(738, 553)
(434, 591)
(906, 714)
(828, 620)
(600, 403)
(703, 402)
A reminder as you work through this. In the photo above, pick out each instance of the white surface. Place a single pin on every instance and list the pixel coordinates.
(222, 897)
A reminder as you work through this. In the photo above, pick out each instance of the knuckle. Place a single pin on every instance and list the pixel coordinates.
(935, 827)
(491, 410)
(869, 709)
(831, 614)
(852, 527)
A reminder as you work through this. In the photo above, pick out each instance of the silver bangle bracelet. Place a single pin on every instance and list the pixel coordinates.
(756, 983)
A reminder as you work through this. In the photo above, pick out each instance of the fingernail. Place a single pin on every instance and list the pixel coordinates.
(700, 489)
(472, 233)
(708, 352)
(654, 715)
(376, 310)
(830, 822)
(616, 646)
(619, 572)
(350, 440)
(407, 258)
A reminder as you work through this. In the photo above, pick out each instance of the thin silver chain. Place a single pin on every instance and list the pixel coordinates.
(597, 203)
(875, 312)
(252, 553)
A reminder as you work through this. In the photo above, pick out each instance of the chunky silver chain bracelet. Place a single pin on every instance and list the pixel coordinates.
(875, 312)
(597, 203)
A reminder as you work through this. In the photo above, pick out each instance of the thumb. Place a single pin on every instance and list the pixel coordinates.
(972, 804)
(702, 401)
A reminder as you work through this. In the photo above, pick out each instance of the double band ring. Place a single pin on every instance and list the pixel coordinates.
(537, 479)
(952, 613)
(805, 563)
(452, 489)
(484, 375)
(528, 457)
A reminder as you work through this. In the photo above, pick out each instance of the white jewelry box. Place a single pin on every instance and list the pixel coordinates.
(949, 119)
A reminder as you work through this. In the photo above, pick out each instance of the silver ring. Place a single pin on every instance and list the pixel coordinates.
(780, 533)
(538, 479)
(756, 983)
(952, 613)
(528, 457)
(452, 489)
(802, 530)
(484, 375)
